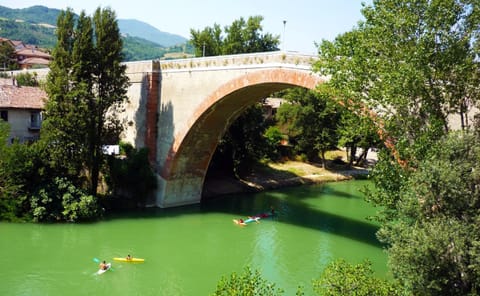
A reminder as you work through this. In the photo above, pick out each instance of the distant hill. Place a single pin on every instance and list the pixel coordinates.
(36, 25)
(143, 30)
(35, 14)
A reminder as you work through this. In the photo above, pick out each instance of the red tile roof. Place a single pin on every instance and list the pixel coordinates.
(32, 52)
(34, 61)
(24, 97)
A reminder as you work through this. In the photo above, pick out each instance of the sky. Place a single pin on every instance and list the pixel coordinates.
(298, 23)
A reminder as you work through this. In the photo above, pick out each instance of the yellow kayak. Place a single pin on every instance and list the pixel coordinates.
(123, 259)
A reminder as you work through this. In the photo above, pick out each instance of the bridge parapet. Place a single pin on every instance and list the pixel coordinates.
(254, 60)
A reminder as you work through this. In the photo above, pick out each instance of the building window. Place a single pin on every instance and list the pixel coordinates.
(35, 120)
(4, 115)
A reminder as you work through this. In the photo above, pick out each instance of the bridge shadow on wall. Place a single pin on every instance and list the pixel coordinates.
(149, 110)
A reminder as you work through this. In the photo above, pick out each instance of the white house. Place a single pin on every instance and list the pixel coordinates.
(22, 108)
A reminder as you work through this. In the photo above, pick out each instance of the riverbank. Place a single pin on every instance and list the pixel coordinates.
(284, 174)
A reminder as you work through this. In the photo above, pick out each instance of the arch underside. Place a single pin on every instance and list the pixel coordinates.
(192, 150)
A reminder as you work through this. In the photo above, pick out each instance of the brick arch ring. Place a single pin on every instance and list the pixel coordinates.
(272, 80)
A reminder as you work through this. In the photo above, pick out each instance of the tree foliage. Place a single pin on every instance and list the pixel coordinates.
(311, 119)
(249, 283)
(7, 56)
(357, 130)
(86, 86)
(27, 79)
(8, 188)
(435, 238)
(341, 278)
(244, 142)
(242, 36)
(131, 177)
(412, 62)
(415, 64)
(60, 200)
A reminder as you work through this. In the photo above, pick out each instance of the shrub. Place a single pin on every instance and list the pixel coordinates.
(248, 283)
(60, 200)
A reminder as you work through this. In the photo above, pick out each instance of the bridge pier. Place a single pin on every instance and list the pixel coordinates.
(180, 192)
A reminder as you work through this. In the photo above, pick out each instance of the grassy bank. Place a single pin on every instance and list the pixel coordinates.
(266, 176)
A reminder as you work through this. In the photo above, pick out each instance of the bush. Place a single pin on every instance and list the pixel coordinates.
(131, 177)
(248, 283)
(27, 79)
(341, 278)
(60, 200)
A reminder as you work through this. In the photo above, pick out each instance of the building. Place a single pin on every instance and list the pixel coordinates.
(270, 106)
(22, 108)
(28, 56)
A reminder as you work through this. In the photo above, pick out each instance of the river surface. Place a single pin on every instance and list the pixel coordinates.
(187, 250)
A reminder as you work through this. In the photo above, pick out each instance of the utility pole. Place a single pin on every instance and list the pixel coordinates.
(283, 42)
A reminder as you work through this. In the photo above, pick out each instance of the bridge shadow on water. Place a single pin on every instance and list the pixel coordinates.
(293, 210)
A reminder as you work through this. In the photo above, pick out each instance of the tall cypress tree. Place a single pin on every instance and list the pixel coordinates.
(60, 127)
(86, 86)
(109, 91)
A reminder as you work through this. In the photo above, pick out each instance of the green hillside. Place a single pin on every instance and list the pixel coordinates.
(34, 14)
(28, 33)
(35, 25)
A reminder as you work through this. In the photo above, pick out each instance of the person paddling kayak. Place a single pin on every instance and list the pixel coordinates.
(103, 265)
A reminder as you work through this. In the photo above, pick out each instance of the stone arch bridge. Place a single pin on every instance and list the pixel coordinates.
(180, 110)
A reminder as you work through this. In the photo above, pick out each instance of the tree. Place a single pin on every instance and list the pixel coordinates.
(131, 177)
(435, 239)
(246, 37)
(243, 143)
(240, 37)
(357, 130)
(8, 188)
(110, 90)
(207, 42)
(63, 125)
(7, 56)
(26, 79)
(311, 119)
(86, 86)
(341, 278)
(248, 283)
(414, 63)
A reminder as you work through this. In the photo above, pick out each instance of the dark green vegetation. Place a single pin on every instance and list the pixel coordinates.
(7, 57)
(341, 278)
(242, 36)
(243, 144)
(310, 121)
(27, 79)
(58, 177)
(405, 70)
(248, 283)
(416, 63)
(141, 41)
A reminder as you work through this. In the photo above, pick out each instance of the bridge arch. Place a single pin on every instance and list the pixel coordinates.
(183, 172)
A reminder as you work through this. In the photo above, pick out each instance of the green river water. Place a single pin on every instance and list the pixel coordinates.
(188, 249)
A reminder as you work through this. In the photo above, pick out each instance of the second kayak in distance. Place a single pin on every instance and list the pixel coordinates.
(129, 260)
